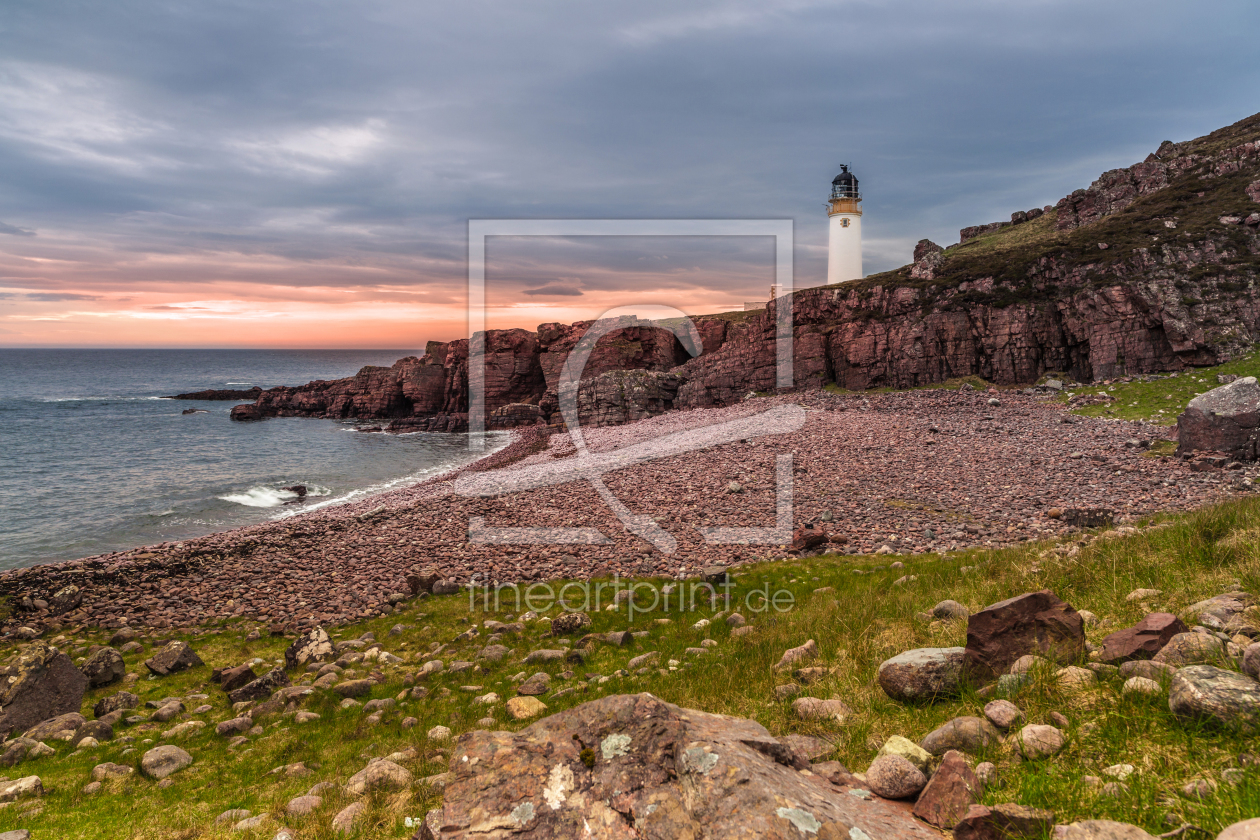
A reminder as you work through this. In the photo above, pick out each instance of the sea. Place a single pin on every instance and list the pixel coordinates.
(93, 459)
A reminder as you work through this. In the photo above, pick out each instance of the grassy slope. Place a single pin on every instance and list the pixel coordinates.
(1009, 253)
(865, 620)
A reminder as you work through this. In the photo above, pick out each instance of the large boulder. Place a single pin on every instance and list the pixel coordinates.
(313, 646)
(260, 688)
(923, 675)
(41, 683)
(105, 667)
(1208, 693)
(1143, 640)
(635, 766)
(175, 657)
(1225, 419)
(1034, 623)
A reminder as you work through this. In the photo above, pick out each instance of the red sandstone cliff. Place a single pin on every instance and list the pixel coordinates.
(1151, 268)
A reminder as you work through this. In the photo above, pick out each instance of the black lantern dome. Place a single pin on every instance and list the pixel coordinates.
(845, 185)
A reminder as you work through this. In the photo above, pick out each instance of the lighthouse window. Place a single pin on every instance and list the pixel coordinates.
(844, 223)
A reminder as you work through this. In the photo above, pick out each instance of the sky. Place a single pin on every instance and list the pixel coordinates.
(302, 174)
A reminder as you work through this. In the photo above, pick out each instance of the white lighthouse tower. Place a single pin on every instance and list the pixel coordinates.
(844, 241)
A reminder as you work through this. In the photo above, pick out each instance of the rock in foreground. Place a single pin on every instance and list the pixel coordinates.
(42, 683)
(634, 766)
(1034, 623)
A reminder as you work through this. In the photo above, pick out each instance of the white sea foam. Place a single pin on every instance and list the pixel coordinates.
(266, 497)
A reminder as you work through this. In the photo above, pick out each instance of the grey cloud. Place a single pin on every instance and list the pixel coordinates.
(369, 133)
(15, 231)
(555, 290)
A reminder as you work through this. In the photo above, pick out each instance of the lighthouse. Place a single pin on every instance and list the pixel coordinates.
(844, 240)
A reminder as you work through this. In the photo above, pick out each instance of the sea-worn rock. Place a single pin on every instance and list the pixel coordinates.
(39, 684)
(1225, 419)
(952, 789)
(160, 762)
(1143, 640)
(964, 734)
(1101, 830)
(1034, 623)
(1149, 669)
(794, 657)
(1007, 821)
(104, 667)
(312, 646)
(261, 688)
(1191, 649)
(893, 777)
(380, 774)
(1037, 741)
(670, 772)
(300, 806)
(922, 675)
(1206, 692)
(175, 657)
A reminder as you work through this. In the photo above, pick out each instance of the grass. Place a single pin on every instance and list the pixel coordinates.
(1159, 399)
(862, 621)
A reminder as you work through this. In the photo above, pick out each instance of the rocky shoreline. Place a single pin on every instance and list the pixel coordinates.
(896, 473)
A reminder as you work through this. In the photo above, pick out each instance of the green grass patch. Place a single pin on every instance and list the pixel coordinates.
(1159, 399)
(857, 620)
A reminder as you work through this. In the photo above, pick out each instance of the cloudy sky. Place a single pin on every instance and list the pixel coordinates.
(301, 174)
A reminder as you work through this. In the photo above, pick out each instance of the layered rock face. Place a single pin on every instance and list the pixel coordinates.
(1152, 268)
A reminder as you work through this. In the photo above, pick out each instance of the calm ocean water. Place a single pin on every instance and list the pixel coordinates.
(94, 461)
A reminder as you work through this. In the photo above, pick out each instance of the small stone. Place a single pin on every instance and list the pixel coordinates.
(796, 656)
(160, 762)
(1245, 830)
(1191, 649)
(786, 691)
(922, 675)
(893, 777)
(1208, 693)
(964, 734)
(1037, 741)
(814, 708)
(1141, 685)
(1101, 830)
(300, 806)
(439, 733)
(344, 822)
(524, 708)
(1003, 714)
(907, 749)
(1142, 595)
(951, 791)
(380, 774)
